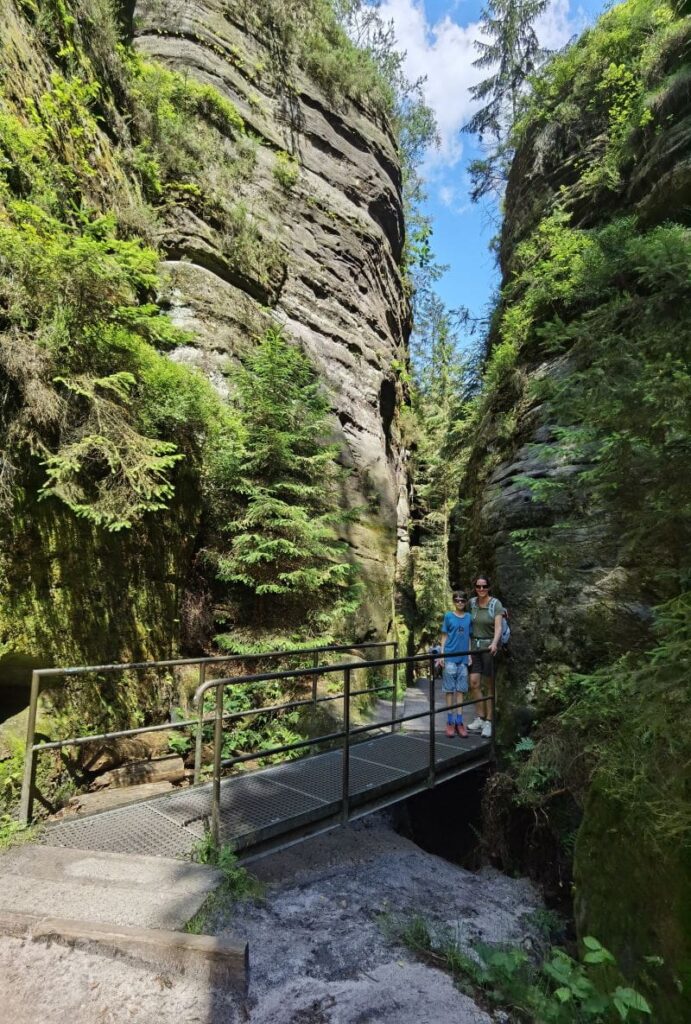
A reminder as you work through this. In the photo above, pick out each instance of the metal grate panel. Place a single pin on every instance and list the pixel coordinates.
(319, 776)
(447, 749)
(255, 802)
(187, 807)
(259, 806)
(133, 829)
(397, 751)
(276, 801)
(367, 775)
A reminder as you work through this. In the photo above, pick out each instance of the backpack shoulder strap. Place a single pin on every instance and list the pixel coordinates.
(492, 607)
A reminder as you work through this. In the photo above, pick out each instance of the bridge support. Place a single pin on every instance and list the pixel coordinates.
(26, 805)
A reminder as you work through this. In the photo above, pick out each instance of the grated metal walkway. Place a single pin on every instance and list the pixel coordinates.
(276, 806)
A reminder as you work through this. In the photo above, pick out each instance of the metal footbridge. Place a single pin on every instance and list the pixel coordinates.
(338, 777)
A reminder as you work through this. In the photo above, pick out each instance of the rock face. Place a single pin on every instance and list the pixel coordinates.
(518, 442)
(589, 599)
(333, 222)
(294, 218)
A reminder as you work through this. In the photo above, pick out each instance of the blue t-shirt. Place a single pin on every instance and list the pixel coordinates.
(458, 630)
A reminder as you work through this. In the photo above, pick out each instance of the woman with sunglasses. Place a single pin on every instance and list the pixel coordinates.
(486, 614)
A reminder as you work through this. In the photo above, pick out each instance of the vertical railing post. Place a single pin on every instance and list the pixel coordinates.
(345, 779)
(394, 680)
(200, 729)
(315, 662)
(216, 788)
(26, 804)
(432, 738)
(494, 715)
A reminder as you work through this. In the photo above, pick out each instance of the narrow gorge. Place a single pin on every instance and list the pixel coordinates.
(236, 418)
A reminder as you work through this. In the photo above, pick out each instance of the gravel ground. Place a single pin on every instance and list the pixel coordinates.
(318, 952)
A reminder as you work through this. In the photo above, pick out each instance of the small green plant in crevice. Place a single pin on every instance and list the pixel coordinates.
(237, 884)
(286, 170)
(237, 881)
(13, 833)
(179, 744)
(558, 990)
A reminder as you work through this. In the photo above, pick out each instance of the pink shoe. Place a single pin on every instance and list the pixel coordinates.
(450, 730)
(461, 730)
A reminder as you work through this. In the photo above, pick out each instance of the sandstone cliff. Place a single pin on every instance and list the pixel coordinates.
(576, 493)
(336, 283)
(277, 201)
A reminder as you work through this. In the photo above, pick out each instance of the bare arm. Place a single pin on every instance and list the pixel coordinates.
(494, 646)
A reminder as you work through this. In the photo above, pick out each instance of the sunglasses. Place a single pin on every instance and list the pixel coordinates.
(482, 586)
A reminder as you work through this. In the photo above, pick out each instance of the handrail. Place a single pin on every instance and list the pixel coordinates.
(123, 666)
(346, 733)
(341, 666)
(32, 749)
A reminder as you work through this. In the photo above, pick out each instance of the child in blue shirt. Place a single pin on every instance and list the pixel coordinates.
(456, 631)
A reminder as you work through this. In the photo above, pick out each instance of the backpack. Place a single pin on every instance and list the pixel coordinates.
(505, 627)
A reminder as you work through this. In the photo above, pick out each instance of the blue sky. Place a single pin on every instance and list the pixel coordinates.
(438, 37)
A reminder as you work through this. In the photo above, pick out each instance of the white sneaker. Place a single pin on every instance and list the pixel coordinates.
(486, 730)
(476, 725)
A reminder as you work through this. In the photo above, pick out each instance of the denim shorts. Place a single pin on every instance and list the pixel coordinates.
(454, 678)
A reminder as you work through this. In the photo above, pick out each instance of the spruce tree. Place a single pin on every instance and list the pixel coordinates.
(285, 557)
(439, 402)
(513, 53)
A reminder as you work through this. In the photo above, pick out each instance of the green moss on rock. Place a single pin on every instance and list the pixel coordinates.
(636, 897)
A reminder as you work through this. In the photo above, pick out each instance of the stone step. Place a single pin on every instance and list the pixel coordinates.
(215, 960)
(111, 888)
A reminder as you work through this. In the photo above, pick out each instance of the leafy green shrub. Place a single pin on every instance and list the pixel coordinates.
(179, 744)
(12, 833)
(248, 249)
(238, 881)
(11, 774)
(560, 990)
(311, 34)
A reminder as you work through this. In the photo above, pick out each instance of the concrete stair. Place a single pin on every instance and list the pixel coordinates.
(112, 888)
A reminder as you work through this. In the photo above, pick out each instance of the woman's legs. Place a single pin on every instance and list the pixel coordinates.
(489, 690)
(476, 694)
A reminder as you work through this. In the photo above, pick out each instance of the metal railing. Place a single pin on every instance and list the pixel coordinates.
(33, 749)
(345, 734)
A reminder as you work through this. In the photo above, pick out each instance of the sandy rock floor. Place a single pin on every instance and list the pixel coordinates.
(318, 951)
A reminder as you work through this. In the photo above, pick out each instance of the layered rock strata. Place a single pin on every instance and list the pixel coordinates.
(336, 234)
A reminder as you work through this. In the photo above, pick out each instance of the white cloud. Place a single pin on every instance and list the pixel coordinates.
(444, 52)
(558, 24)
(453, 198)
